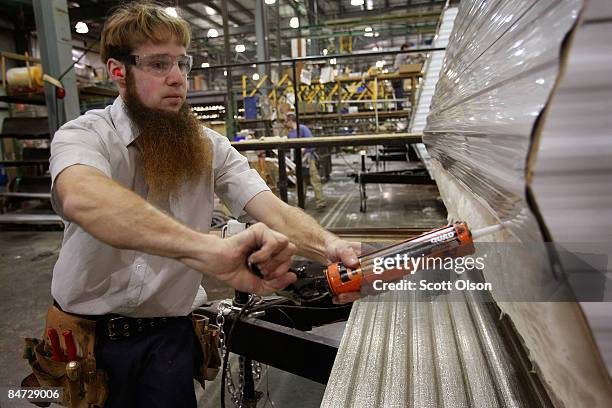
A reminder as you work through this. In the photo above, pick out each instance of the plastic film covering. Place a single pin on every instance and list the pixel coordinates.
(501, 65)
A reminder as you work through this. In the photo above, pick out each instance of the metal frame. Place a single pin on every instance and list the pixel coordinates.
(296, 144)
(270, 342)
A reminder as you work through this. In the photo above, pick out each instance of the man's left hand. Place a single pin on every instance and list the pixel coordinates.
(347, 252)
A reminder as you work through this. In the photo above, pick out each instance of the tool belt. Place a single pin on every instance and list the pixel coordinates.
(208, 337)
(84, 385)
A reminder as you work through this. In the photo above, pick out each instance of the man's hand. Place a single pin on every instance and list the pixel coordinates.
(339, 250)
(258, 245)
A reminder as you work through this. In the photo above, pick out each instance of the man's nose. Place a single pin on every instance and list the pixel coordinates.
(175, 76)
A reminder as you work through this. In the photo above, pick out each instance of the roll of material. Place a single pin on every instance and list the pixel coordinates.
(25, 76)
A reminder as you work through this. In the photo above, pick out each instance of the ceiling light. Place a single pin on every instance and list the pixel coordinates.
(270, 1)
(210, 11)
(294, 22)
(81, 28)
(171, 11)
(325, 51)
(356, 2)
(213, 33)
(240, 48)
(205, 65)
(256, 77)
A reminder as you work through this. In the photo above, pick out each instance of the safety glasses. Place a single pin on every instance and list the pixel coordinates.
(160, 64)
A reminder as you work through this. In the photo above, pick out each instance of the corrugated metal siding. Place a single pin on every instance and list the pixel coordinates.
(572, 176)
(501, 65)
(400, 351)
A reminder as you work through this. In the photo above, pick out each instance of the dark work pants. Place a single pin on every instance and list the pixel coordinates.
(154, 369)
(398, 87)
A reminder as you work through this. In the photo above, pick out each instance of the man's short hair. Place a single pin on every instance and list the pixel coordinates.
(139, 22)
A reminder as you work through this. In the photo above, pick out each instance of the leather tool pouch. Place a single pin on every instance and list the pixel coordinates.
(84, 386)
(208, 337)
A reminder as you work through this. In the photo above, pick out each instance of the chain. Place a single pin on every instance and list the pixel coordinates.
(236, 393)
(256, 368)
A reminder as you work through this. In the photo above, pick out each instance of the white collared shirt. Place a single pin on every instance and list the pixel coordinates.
(91, 277)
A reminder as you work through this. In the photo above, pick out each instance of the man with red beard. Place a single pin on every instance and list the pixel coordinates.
(134, 183)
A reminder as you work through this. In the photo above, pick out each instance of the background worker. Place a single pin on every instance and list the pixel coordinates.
(310, 160)
(135, 184)
(398, 84)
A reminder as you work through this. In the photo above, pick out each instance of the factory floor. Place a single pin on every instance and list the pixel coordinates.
(27, 259)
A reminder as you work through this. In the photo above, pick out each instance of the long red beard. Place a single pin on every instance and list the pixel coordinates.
(174, 152)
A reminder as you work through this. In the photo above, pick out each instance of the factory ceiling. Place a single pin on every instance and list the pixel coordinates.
(373, 25)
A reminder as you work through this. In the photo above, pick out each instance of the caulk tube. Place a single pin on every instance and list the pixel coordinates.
(391, 263)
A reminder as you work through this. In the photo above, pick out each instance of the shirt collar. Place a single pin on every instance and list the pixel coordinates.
(125, 127)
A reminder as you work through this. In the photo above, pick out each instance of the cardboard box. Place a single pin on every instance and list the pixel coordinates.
(410, 68)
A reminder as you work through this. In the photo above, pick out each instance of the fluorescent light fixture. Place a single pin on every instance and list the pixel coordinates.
(81, 28)
(256, 77)
(325, 51)
(171, 11)
(356, 2)
(205, 65)
(240, 48)
(210, 11)
(212, 33)
(294, 22)
(270, 2)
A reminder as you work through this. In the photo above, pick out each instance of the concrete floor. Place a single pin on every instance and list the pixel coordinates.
(27, 259)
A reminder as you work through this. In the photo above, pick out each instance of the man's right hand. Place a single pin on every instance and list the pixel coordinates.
(271, 251)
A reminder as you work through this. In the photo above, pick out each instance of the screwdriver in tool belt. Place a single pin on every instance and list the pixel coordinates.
(70, 345)
(56, 352)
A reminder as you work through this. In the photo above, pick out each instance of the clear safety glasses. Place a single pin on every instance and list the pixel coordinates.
(160, 64)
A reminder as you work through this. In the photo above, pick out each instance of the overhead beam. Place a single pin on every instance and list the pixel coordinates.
(204, 17)
(242, 9)
(88, 13)
(295, 7)
(217, 9)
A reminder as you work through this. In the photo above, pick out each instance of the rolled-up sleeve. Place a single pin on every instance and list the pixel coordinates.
(235, 182)
(76, 144)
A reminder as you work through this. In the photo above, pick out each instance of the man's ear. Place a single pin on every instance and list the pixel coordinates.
(116, 71)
